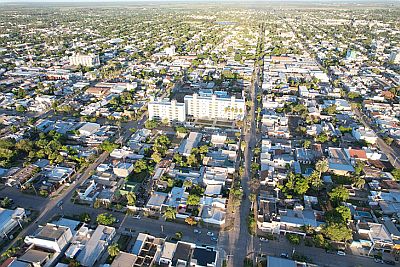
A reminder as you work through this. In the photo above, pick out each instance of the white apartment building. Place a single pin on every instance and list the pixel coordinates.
(215, 105)
(84, 60)
(166, 110)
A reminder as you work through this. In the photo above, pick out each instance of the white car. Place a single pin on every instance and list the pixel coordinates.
(197, 231)
(263, 239)
(136, 217)
(210, 233)
(341, 253)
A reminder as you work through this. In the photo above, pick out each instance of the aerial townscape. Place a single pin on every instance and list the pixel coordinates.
(199, 133)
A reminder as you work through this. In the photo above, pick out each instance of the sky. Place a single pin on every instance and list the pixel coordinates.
(116, 1)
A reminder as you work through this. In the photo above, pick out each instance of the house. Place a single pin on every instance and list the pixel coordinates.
(58, 174)
(204, 257)
(51, 237)
(374, 236)
(365, 134)
(10, 219)
(88, 129)
(189, 143)
(123, 169)
(340, 167)
(157, 201)
(182, 254)
(167, 254)
(124, 259)
(35, 257)
(87, 191)
(90, 251)
(147, 249)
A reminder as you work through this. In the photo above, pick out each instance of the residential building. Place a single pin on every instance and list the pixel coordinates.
(166, 110)
(214, 105)
(52, 237)
(90, 60)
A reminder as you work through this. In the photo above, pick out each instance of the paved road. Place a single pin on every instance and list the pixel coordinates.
(237, 242)
(393, 155)
(317, 255)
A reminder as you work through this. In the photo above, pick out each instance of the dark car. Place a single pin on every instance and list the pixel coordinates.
(389, 262)
(284, 255)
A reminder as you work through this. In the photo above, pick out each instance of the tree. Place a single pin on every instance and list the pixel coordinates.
(306, 143)
(131, 198)
(191, 160)
(170, 213)
(150, 124)
(20, 108)
(344, 213)
(113, 250)
(193, 200)
(301, 186)
(339, 194)
(187, 183)
(293, 239)
(337, 232)
(156, 157)
(322, 166)
(85, 217)
(396, 174)
(178, 235)
(191, 221)
(140, 166)
(6, 203)
(108, 146)
(358, 182)
(315, 179)
(359, 167)
(105, 219)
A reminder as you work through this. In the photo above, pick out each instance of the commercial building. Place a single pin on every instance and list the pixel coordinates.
(90, 60)
(215, 105)
(166, 110)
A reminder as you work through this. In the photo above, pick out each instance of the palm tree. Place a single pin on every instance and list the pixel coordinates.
(170, 214)
(113, 250)
(131, 198)
(358, 182)
(187, 183)
(6, 203)
(322, 166)
(315, 179)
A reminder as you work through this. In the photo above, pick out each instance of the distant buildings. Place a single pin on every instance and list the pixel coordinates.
(166, 110)
(214, 105)
(84, 60)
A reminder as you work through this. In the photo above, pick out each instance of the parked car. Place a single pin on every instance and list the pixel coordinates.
(378, 261)
(388, 262)
(214, 239)
(60, 203)
(210, 233)
(263, 239)
(284, 255)
(341, 253)
(136, 217)
(197, 231)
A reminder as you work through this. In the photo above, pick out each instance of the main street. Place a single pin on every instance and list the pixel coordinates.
(237, 242)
